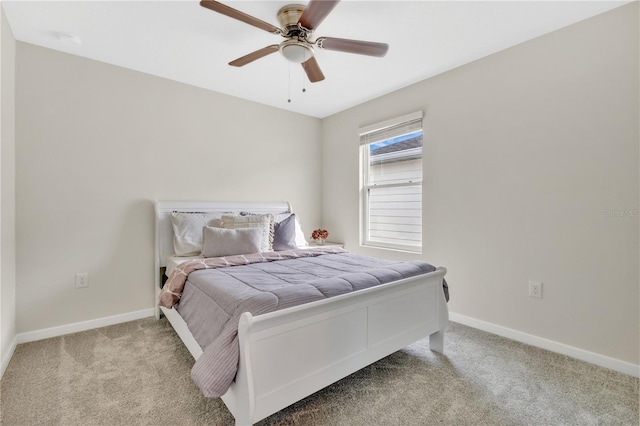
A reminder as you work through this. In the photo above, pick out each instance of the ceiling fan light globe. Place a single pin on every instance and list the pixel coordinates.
(296, 52)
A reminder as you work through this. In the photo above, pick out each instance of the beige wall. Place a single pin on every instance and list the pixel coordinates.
(97, 144)
(7, 198)
(525, 151)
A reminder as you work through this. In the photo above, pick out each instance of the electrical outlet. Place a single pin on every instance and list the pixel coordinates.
(535, 289)
(82, 279)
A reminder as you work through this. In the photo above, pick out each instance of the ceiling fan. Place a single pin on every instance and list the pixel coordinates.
(298, 24)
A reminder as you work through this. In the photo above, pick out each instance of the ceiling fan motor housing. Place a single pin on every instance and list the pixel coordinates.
(288, 17)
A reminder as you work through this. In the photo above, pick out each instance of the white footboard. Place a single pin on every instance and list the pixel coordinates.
(290, 354)
(287, 355)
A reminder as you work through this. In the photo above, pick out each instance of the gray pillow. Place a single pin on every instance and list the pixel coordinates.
(229, 242)
(284, 234)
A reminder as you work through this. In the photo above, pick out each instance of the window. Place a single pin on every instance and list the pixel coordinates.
(392, 183)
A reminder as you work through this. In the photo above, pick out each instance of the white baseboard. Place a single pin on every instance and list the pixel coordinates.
(550, 345)
(7, 358)
(46, 333)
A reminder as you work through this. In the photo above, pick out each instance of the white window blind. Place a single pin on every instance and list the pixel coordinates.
(390, 129)
(392, 183)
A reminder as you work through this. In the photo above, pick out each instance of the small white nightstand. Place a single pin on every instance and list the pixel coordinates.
(326, 244)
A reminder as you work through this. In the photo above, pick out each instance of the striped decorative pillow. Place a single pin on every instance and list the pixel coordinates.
(264, 221)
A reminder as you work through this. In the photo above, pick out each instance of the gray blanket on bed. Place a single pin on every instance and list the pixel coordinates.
(213, 300)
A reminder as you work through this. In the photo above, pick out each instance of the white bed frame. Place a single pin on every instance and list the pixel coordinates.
(289, 354)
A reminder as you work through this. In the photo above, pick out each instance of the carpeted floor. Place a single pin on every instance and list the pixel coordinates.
(137, 373)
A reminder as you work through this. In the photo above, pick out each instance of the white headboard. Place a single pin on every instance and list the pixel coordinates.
(164, 230)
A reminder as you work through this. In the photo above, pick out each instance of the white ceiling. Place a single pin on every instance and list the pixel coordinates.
(182, 41)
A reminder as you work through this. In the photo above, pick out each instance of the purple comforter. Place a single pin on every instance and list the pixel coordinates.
(214, 297)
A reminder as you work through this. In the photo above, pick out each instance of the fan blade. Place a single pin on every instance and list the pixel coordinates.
(353, 46)
(240, 16)
(254, 55)
(312, 69)
(315, 12)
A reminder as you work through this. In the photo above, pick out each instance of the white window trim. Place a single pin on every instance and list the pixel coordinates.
(364, 194)
(418, 115)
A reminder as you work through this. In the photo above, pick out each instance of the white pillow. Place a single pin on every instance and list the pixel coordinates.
(187, 231)
(230, 242)
(262, 221)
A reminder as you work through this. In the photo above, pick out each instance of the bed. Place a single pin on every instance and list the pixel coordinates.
(288, 354)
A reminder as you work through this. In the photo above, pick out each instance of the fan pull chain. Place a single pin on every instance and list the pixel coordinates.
(304, 79)
(289, 100)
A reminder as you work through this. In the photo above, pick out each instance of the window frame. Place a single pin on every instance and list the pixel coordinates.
(384, 131)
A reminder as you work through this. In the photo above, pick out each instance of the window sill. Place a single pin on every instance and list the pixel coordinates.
(402, 249)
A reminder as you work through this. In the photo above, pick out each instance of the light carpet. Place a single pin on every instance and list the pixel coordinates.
(137, 373)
